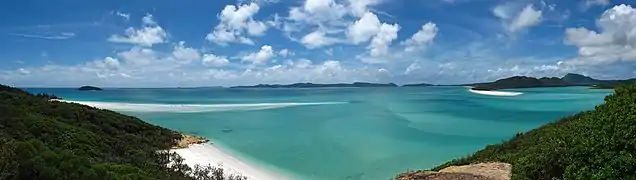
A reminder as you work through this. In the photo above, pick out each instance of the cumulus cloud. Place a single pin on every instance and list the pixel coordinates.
(363, 29)
(151, 33)
(236, 23)
(211, 60)
(615, 42)
(380, 43)
(138, 56)
(317, 39)
(285, 53)
(183, 53)
(517, 19)
(332, 22)
(261, 57)
(421, 38)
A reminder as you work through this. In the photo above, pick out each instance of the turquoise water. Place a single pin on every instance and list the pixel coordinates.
(374, 133)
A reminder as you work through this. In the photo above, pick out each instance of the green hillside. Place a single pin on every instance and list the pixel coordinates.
(41, 139)
(596, 144)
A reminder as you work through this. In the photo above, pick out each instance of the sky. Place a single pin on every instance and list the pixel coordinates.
(193, 43)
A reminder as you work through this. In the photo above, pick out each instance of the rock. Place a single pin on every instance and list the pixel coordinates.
(187, 140)
(480, 171)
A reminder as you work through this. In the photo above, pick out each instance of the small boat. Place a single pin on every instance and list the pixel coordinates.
(226, 130)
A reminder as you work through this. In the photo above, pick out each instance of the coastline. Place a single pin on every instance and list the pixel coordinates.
(210, 154)
(199, 151)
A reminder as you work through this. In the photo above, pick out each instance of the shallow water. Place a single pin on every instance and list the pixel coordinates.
(371, 133)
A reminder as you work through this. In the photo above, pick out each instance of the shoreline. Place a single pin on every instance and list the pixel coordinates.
(210, 154)
(199, 151)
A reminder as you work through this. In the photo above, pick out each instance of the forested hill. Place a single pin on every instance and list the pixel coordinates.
(42, 139)
(596, 144)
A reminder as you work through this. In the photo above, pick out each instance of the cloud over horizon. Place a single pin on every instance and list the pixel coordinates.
(323, 41)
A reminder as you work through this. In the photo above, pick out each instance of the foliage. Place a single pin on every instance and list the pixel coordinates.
(43, 139)
(597, 144)
(521, 82)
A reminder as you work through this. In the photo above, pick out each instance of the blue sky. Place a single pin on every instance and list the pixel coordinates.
(161, 43)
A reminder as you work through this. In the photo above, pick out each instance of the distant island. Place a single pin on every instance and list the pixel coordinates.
(569, 79)
(418, 85)
(312, 85)
(89, 88)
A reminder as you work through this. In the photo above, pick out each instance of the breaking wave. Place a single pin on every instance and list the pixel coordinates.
(193, 108)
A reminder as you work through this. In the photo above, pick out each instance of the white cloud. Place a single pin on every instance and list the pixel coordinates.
(148, 20)
(236, 22)
(111, 63)
(421, 38)
(138, 56)
(516, 19)
(148, 35)
(261, 57)
(616, 42)
(317, 39)
(285, 53)
(332, 19)
(61, 36)
(183, 53)
(380, 44)
(126, 16)
(318, 12)
(589, 3)
(360, 7)
(329, 51)
(363, 29)
(214, 60)
(528, 17)
(24, 71)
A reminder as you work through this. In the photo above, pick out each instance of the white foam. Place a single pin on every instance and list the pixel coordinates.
(208, 154)
(495, 93)
(191, 108)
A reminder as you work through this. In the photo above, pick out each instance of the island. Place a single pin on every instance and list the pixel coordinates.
(89, 88)
(521, 82)
(569, 79)
(596, 144)
(418, 85)
(312, 85)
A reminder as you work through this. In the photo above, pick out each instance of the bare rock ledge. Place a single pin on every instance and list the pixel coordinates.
(480, 171)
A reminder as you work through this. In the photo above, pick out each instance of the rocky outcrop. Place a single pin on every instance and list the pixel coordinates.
(481, 171)
(187, 140)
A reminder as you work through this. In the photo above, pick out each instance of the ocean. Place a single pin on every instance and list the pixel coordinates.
(345, 133)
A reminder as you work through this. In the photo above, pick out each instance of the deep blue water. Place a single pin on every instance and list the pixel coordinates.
(372, 133)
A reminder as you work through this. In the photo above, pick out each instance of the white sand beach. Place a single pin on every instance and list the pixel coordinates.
(495, 93)
(204, 154)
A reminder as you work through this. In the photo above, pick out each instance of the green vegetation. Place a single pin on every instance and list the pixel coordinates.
(569, 79)
(43, 139)
(596, 144)
(521, 82)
